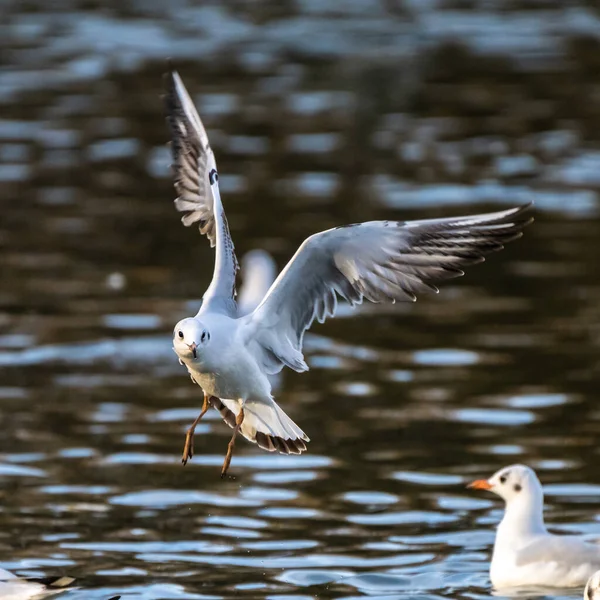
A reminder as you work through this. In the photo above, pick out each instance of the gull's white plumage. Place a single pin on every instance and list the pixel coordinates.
(230, 356)
(525, 553)
(20, 588)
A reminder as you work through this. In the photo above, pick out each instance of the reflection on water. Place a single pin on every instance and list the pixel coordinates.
(319, 115)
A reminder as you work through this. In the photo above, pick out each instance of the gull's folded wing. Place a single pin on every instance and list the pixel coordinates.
(567, 551)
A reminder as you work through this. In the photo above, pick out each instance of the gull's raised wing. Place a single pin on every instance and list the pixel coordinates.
(197, 183)
(382, 261)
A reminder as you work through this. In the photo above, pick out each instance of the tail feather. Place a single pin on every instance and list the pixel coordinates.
(264, 424)
(273, 443)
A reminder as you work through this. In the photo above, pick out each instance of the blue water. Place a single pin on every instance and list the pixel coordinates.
(320, 113)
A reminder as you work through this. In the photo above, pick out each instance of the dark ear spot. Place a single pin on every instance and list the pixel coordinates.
(517, 487)
(504, 476)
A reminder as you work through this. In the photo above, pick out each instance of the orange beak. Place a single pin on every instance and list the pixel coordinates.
(480, 484)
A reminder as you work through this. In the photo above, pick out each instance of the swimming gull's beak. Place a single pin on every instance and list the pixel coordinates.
(480, 484)
(193, 347)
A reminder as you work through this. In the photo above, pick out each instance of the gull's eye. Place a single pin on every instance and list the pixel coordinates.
(503, 479)
(180, 334)
(517, 487)
(204, 336)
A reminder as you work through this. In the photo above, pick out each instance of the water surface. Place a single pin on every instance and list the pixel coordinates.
(319, 115)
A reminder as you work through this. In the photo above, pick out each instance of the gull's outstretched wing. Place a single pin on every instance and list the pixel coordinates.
(197, 183)
(382, 261)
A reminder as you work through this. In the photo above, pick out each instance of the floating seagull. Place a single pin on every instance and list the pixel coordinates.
(230, 357)
(21, 588)
(592, 587)
(525, 554)
(258, 274)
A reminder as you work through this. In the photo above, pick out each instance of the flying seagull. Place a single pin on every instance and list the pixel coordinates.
(231, 356)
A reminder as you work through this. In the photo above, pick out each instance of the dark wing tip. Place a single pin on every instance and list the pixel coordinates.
(171, 71)
(523, 208)
(520, 212)
(528, 221)
(273, 443)
(528, 206)
(53, 582)
(171, 97)
(169, 79)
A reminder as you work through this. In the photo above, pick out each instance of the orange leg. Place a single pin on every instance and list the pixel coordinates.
(238, 423)
(188, 448)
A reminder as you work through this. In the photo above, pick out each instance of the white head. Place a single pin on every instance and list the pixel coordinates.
(522, 492)
(190, 338)
(592, 587)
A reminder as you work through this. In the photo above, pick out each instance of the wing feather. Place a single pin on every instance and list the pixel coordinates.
(196, 183)
(382, 261)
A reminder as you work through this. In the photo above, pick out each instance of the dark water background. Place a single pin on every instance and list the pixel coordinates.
(321, 113)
